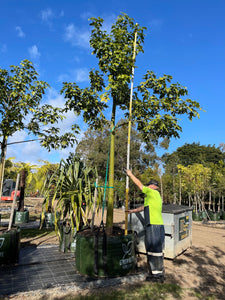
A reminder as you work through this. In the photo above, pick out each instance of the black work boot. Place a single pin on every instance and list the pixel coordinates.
(159, 279)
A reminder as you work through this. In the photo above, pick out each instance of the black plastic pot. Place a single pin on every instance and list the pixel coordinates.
(9, 246)
(214, 216)
(222, 216)
(49, 220)
(197, 216)
(105, 256)
(20, 217)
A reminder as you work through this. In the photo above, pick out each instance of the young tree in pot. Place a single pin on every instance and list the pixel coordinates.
(21, 214)
(20, 95)
(158, 104)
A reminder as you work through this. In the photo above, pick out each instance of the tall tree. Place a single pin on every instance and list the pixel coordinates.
(157, 103)
(189, 154)
(20, 96)
(195, 179)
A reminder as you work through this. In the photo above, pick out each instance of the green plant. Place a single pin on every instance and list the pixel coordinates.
(70, 189)
(21, 94)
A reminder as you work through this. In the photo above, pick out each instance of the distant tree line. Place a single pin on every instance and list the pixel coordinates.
(194, 174)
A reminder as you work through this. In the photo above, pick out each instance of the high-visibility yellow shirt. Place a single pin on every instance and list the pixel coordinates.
(152, 207)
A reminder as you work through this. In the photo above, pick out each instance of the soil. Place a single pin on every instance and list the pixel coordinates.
(200, 268)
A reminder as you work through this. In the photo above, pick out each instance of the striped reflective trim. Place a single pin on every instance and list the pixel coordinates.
(157, 272)
(155, 254)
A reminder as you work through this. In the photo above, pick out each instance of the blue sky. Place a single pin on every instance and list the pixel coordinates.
(185, 39)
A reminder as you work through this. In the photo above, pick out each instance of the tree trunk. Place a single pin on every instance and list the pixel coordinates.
(218, 205)
(109, 218)
(174, 193)
(22, 190)
(161, 183)
(2, 163)
(210, 199)
(195, 201)
(214, 202)
(180, 190)
(203, 201)
(189, 200)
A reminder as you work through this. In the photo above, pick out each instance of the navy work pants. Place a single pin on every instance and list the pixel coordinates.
(154, 243)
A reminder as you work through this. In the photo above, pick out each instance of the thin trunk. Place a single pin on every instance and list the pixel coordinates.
(189, 200)
(195, 201)
(174, 194)
(109, 218)
(94, 206)
(129, 134)
(161, 183)
(180, 190)
(22, 190)
(214, 202)
(14, 202)
(218, 205)
(203, 200)
(222, 203)
(210, 199)
(2, 163)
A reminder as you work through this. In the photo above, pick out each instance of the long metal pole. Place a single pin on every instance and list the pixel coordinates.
(129, 133)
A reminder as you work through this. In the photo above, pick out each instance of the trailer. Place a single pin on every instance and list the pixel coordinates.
(8, 190)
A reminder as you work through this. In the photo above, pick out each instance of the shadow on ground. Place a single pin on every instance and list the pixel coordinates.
(205, 269)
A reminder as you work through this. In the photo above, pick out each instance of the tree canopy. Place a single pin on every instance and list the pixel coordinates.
(189, 154)
(21, 94)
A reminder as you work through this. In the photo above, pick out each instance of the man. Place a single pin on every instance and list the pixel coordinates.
(154, 228)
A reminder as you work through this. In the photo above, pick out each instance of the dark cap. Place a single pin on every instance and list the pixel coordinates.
(153, 181)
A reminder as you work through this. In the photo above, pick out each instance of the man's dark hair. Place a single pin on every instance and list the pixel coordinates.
(153, 181)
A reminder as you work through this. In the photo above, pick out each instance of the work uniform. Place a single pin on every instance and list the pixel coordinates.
(155, 234)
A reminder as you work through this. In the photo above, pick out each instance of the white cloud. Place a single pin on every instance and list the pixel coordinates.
(57, 100)
(20, 32)
(47, 15)
(18, 136)
(33, 52)
(76, 36)
(25, 151)
(63, 78)
(31, 150)
(81, 75)
(54, 98)
(77, 75)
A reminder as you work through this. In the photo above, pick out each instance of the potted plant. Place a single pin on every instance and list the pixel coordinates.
(9, 245)
(157, 103)
(21, 214)
(70, 189)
